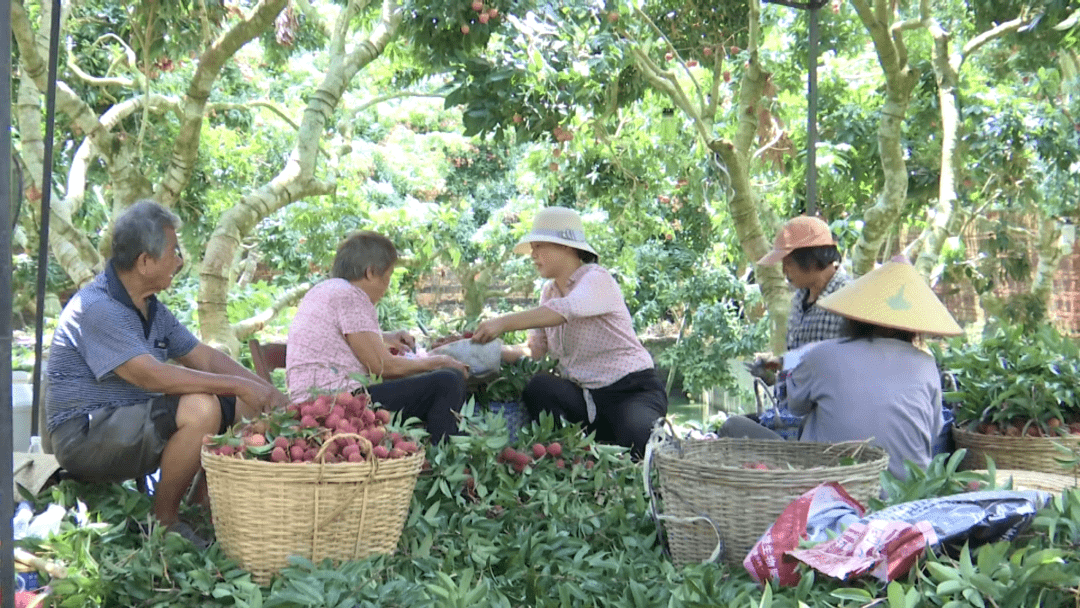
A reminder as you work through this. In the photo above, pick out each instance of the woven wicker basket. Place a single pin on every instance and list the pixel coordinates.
(1032, 480)
(1025, 453)
(710, 498)
(265, 511)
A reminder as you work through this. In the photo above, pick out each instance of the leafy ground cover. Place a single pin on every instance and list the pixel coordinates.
(480, 533)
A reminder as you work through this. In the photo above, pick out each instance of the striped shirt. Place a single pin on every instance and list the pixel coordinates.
(814, 324)
(99, 330)
(597, 345)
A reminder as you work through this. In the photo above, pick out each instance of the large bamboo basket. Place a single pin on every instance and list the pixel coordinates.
(714, 506)
(265, 511)
(1025, 453)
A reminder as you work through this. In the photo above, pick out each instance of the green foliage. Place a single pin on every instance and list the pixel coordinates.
(1014, 375)
(513, 377)
(479, 533)
(710, 304)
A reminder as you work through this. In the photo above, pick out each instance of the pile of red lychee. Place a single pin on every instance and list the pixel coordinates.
(519, 461)
(329, 429)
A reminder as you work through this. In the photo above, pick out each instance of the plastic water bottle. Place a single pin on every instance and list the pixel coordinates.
(35, 444)
(20, 524)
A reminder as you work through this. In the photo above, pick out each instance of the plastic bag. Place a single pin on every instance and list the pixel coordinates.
(887, 543)
(482, 359)
(827, 507)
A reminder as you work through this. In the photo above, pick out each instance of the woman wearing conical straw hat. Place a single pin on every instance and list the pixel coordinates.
(874, 383)
(608, 382)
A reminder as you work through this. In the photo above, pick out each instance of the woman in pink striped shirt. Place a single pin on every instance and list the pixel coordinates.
(608, 381)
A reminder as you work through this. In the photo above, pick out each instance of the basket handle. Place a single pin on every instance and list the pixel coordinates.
(656, 439)
(719, 550)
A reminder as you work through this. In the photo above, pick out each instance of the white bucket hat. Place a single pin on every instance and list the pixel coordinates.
(555, 225)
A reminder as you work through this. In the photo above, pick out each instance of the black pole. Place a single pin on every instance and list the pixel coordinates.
(811, 116)
(7, 504)
(46, 211)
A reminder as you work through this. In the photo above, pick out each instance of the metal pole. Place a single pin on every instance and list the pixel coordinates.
(7, 504)
(46, 211)
(811, 116)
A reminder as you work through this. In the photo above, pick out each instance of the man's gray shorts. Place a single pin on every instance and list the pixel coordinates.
(113, 444)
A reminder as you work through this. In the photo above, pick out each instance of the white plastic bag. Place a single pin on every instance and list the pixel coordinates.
(482, 359)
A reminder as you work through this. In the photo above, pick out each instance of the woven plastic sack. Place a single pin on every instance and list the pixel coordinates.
(515, 413)
(779, 418)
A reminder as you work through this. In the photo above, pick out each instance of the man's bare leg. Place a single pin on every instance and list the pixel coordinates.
(196, 416)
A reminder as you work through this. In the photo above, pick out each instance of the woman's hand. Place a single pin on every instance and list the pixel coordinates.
(444, 361)
(488, 330)
(401, 340)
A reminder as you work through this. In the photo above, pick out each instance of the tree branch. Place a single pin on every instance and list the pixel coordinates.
(219, 106)
(258, 321)
(186, 146)
(996, 32)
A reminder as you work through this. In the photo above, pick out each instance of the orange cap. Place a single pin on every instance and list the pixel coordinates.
(798, 232)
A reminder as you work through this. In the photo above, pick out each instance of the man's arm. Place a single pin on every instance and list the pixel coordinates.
(152, 375)
(208, 359)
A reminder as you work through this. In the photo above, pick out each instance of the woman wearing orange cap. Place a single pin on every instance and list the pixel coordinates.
(608, 381)
(874, 383)
(811, 263)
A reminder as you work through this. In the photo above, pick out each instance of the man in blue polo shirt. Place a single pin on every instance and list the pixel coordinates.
(117, 409)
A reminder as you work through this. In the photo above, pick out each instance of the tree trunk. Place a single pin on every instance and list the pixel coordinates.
(942, 221)
(900, 80)
(296, 180)
(1053, 245)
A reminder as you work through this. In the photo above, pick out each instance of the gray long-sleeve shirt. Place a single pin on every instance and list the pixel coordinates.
(852, 390)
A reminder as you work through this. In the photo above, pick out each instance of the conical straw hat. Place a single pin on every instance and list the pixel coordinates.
(893, 295)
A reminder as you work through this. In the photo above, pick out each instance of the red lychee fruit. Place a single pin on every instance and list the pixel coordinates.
(396, 453)
(493, 13)
(589, 464)
(281, 442)
(538, 450)
(478, 5)
(518, 119)
(560, 464)
(553, 166)
(408, 447)
(483, 18)
(613, 16)
(465, 30)
(691, 64)
(227, 450)
(520, 458)
(308, 422)
(278, 455)
(380, 451)
(520, 467)
(255, 441)
(383, 416)
(368, 417)
(554, 449)
(355, 457)
(669, 56)
(296, 453)
(507, 455)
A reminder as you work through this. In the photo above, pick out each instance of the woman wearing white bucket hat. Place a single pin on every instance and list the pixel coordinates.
(608, 380)
(873, 384)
